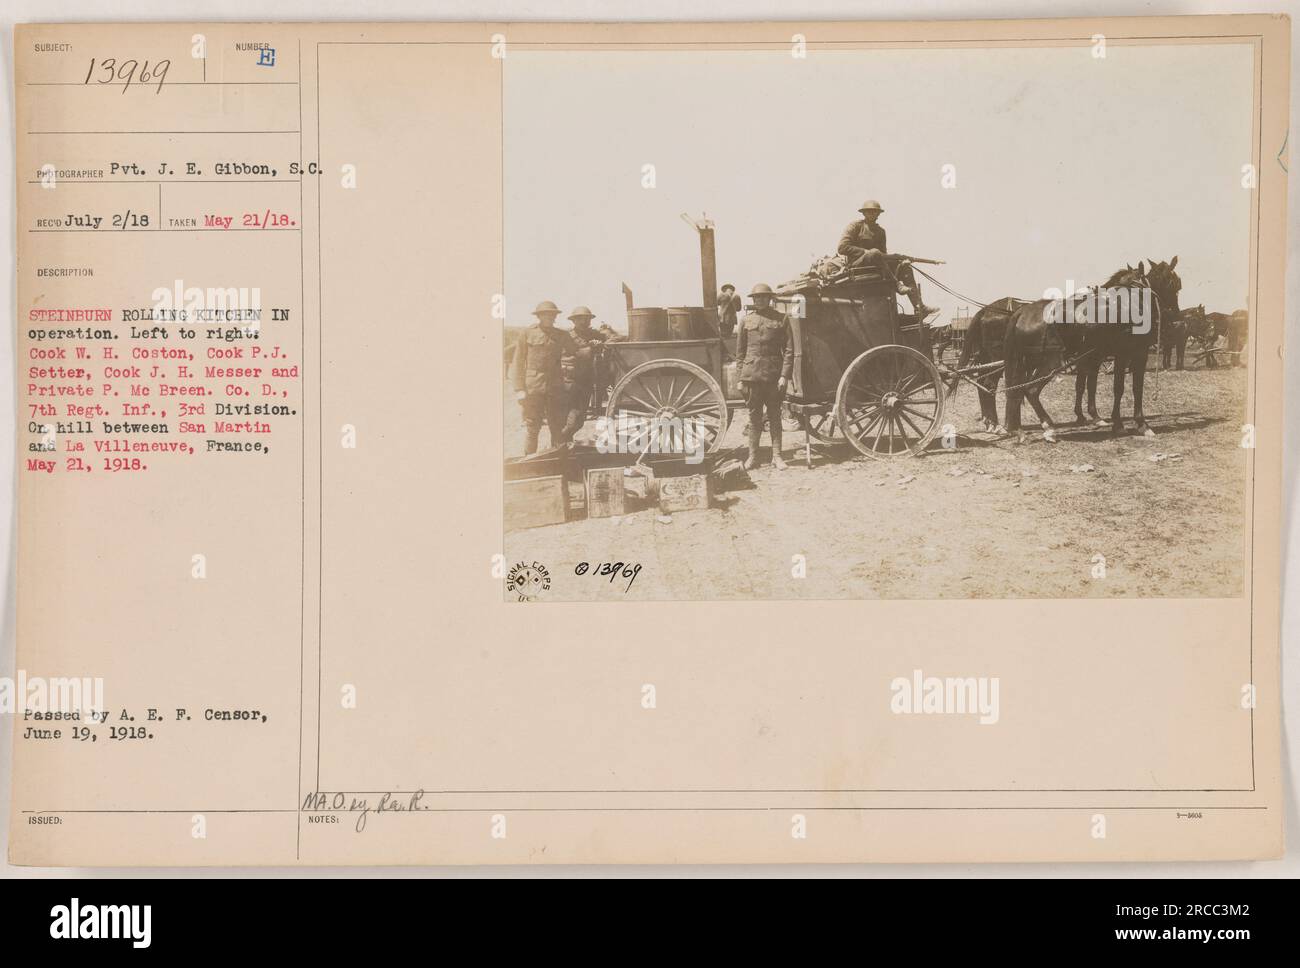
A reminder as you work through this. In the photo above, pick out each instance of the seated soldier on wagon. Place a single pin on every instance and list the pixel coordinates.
(863, 244)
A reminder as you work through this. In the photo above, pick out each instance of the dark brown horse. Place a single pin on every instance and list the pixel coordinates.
(1042, 335)
(1089, 364)
(983, 344)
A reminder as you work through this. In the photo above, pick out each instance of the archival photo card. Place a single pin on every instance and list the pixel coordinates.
(649, 443)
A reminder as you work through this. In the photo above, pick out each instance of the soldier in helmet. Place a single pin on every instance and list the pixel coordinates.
(765, 351)
(863, 244)
(580, 368)
(583, 332)
(538, 376)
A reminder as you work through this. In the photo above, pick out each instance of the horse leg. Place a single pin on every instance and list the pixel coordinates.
(1081, 377)
(994, 426)
(1116, 418)
(988, 407)
(1094, 369)
(1139, 378)
(1044, 419)
(1012, 420)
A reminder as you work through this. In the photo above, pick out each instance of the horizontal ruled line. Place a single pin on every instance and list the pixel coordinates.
(295, 131)
(793, 790)
(922, 42)
(779, 808)
(171, 181)
(167, 84)
(148, 231)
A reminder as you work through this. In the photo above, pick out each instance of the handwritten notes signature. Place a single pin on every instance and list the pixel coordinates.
(363, 806)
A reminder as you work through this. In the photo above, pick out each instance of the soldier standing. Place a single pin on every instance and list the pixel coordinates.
(728, 306)
(580, 368)
(766, 353)
(863, 244)
(538, 376)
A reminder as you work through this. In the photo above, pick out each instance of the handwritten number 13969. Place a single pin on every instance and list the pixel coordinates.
(612, 569)
(127, 72)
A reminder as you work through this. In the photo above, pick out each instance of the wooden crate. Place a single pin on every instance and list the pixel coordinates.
(605, 492)
(640, 484)
(690, 493)
(536, 501)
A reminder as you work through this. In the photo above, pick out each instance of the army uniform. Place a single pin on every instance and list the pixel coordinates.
(579, 368)
(765, 353)
(863, 244)
(537, 372)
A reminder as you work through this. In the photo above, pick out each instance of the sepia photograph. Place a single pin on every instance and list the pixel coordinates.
(879, 323)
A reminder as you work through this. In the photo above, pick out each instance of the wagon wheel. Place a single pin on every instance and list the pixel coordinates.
(677, 401)
(890, 402)
(822, 427)
(789, 419)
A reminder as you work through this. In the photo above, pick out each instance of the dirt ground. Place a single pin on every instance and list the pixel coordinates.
(991, 518)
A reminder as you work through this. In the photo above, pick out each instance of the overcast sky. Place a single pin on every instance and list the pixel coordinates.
(1067, 167)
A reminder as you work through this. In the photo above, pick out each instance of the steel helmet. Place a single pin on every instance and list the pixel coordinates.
(582, 312)
(870, 205)
(762, 289)
(546, 306)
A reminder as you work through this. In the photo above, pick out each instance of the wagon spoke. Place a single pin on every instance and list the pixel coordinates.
(918, 401)
(901, 389)
(693, 399)
(699, 412)
(864, 412)
(868, 389)
(651, 390)
(929, 417)
(650, 409)
(822, 427)
(877, 422)
(826, 425)
(879, 431)
(903, 416)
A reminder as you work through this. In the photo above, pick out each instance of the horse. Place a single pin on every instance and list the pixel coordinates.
(1234, 328)
(1088, 366)
(1202, 329)
(1041, 335)
(1173, 341)
(985, 343)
